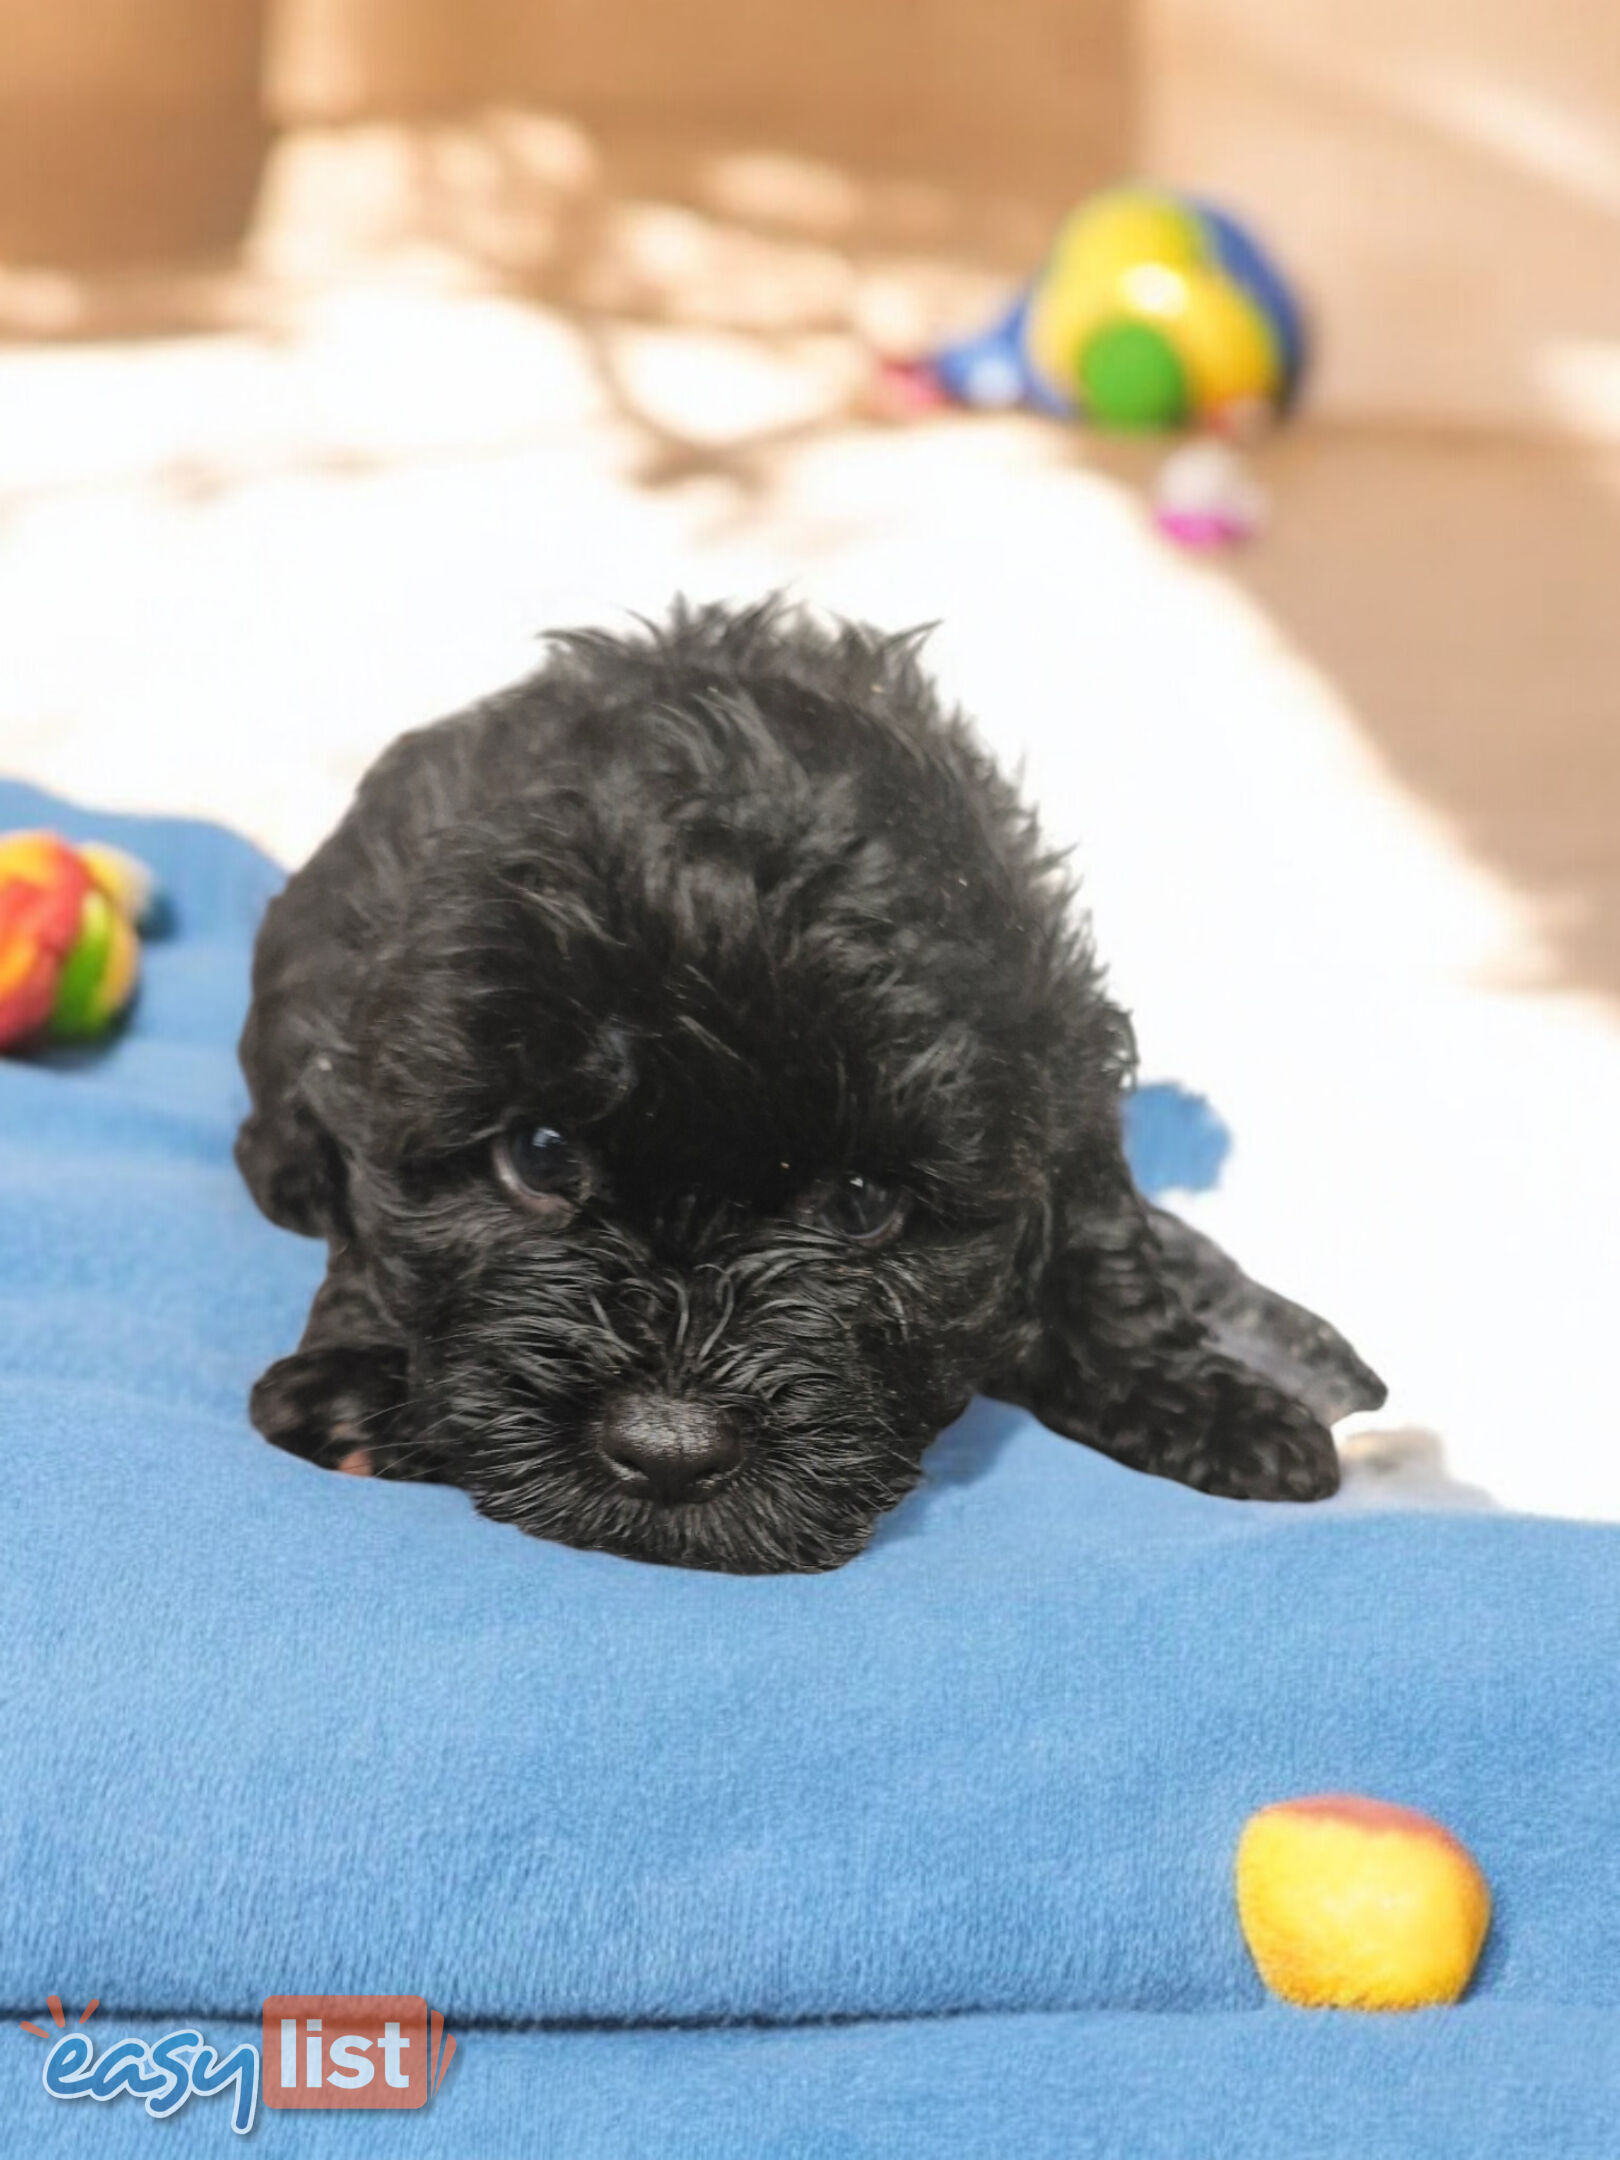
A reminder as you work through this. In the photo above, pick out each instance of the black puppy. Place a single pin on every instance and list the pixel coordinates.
(704, 1083)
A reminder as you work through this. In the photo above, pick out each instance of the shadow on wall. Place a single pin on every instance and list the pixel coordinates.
(135, 130)
(1032, 100)
(727, 298)
(795, 185)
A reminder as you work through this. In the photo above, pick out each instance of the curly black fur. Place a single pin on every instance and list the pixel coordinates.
(736, 907)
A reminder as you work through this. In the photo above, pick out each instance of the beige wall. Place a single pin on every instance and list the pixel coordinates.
(128, 127)
(1443, 176)
(1034, 99)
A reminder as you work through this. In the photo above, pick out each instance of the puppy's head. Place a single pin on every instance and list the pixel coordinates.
(707, 1121)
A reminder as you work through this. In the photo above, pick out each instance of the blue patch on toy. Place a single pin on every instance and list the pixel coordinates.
(1238, 254)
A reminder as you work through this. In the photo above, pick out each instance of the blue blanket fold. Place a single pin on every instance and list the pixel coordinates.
(265, 1729)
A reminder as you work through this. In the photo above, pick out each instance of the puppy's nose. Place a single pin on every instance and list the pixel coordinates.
(666, 1447)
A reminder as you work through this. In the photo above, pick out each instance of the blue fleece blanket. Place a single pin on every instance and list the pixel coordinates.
(267, 1730)
(1488, 2081)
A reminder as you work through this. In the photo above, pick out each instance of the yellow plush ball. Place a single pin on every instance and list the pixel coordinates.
(1355, 1904)
(1097, 249)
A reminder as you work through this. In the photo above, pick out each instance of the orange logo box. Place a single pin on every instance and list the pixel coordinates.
(351, 2051)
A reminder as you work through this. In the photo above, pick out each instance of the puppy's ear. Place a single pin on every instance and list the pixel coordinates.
(1120, 1360)
(285, 1150)
(1292, 1346)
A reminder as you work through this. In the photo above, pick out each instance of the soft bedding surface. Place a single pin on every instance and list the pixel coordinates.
(263, 1730)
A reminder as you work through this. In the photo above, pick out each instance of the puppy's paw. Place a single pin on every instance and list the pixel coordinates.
(336, 1406)
(1257, 1444)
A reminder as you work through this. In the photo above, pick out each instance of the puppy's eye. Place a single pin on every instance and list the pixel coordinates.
(862, 1209)
(542, 1171)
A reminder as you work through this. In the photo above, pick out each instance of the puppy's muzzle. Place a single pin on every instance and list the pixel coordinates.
(666, 1447)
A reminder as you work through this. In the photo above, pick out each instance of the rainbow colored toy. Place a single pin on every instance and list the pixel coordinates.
(69, 948)
(1153, 310)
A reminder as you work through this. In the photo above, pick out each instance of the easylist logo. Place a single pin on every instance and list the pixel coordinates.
(320, 2051)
